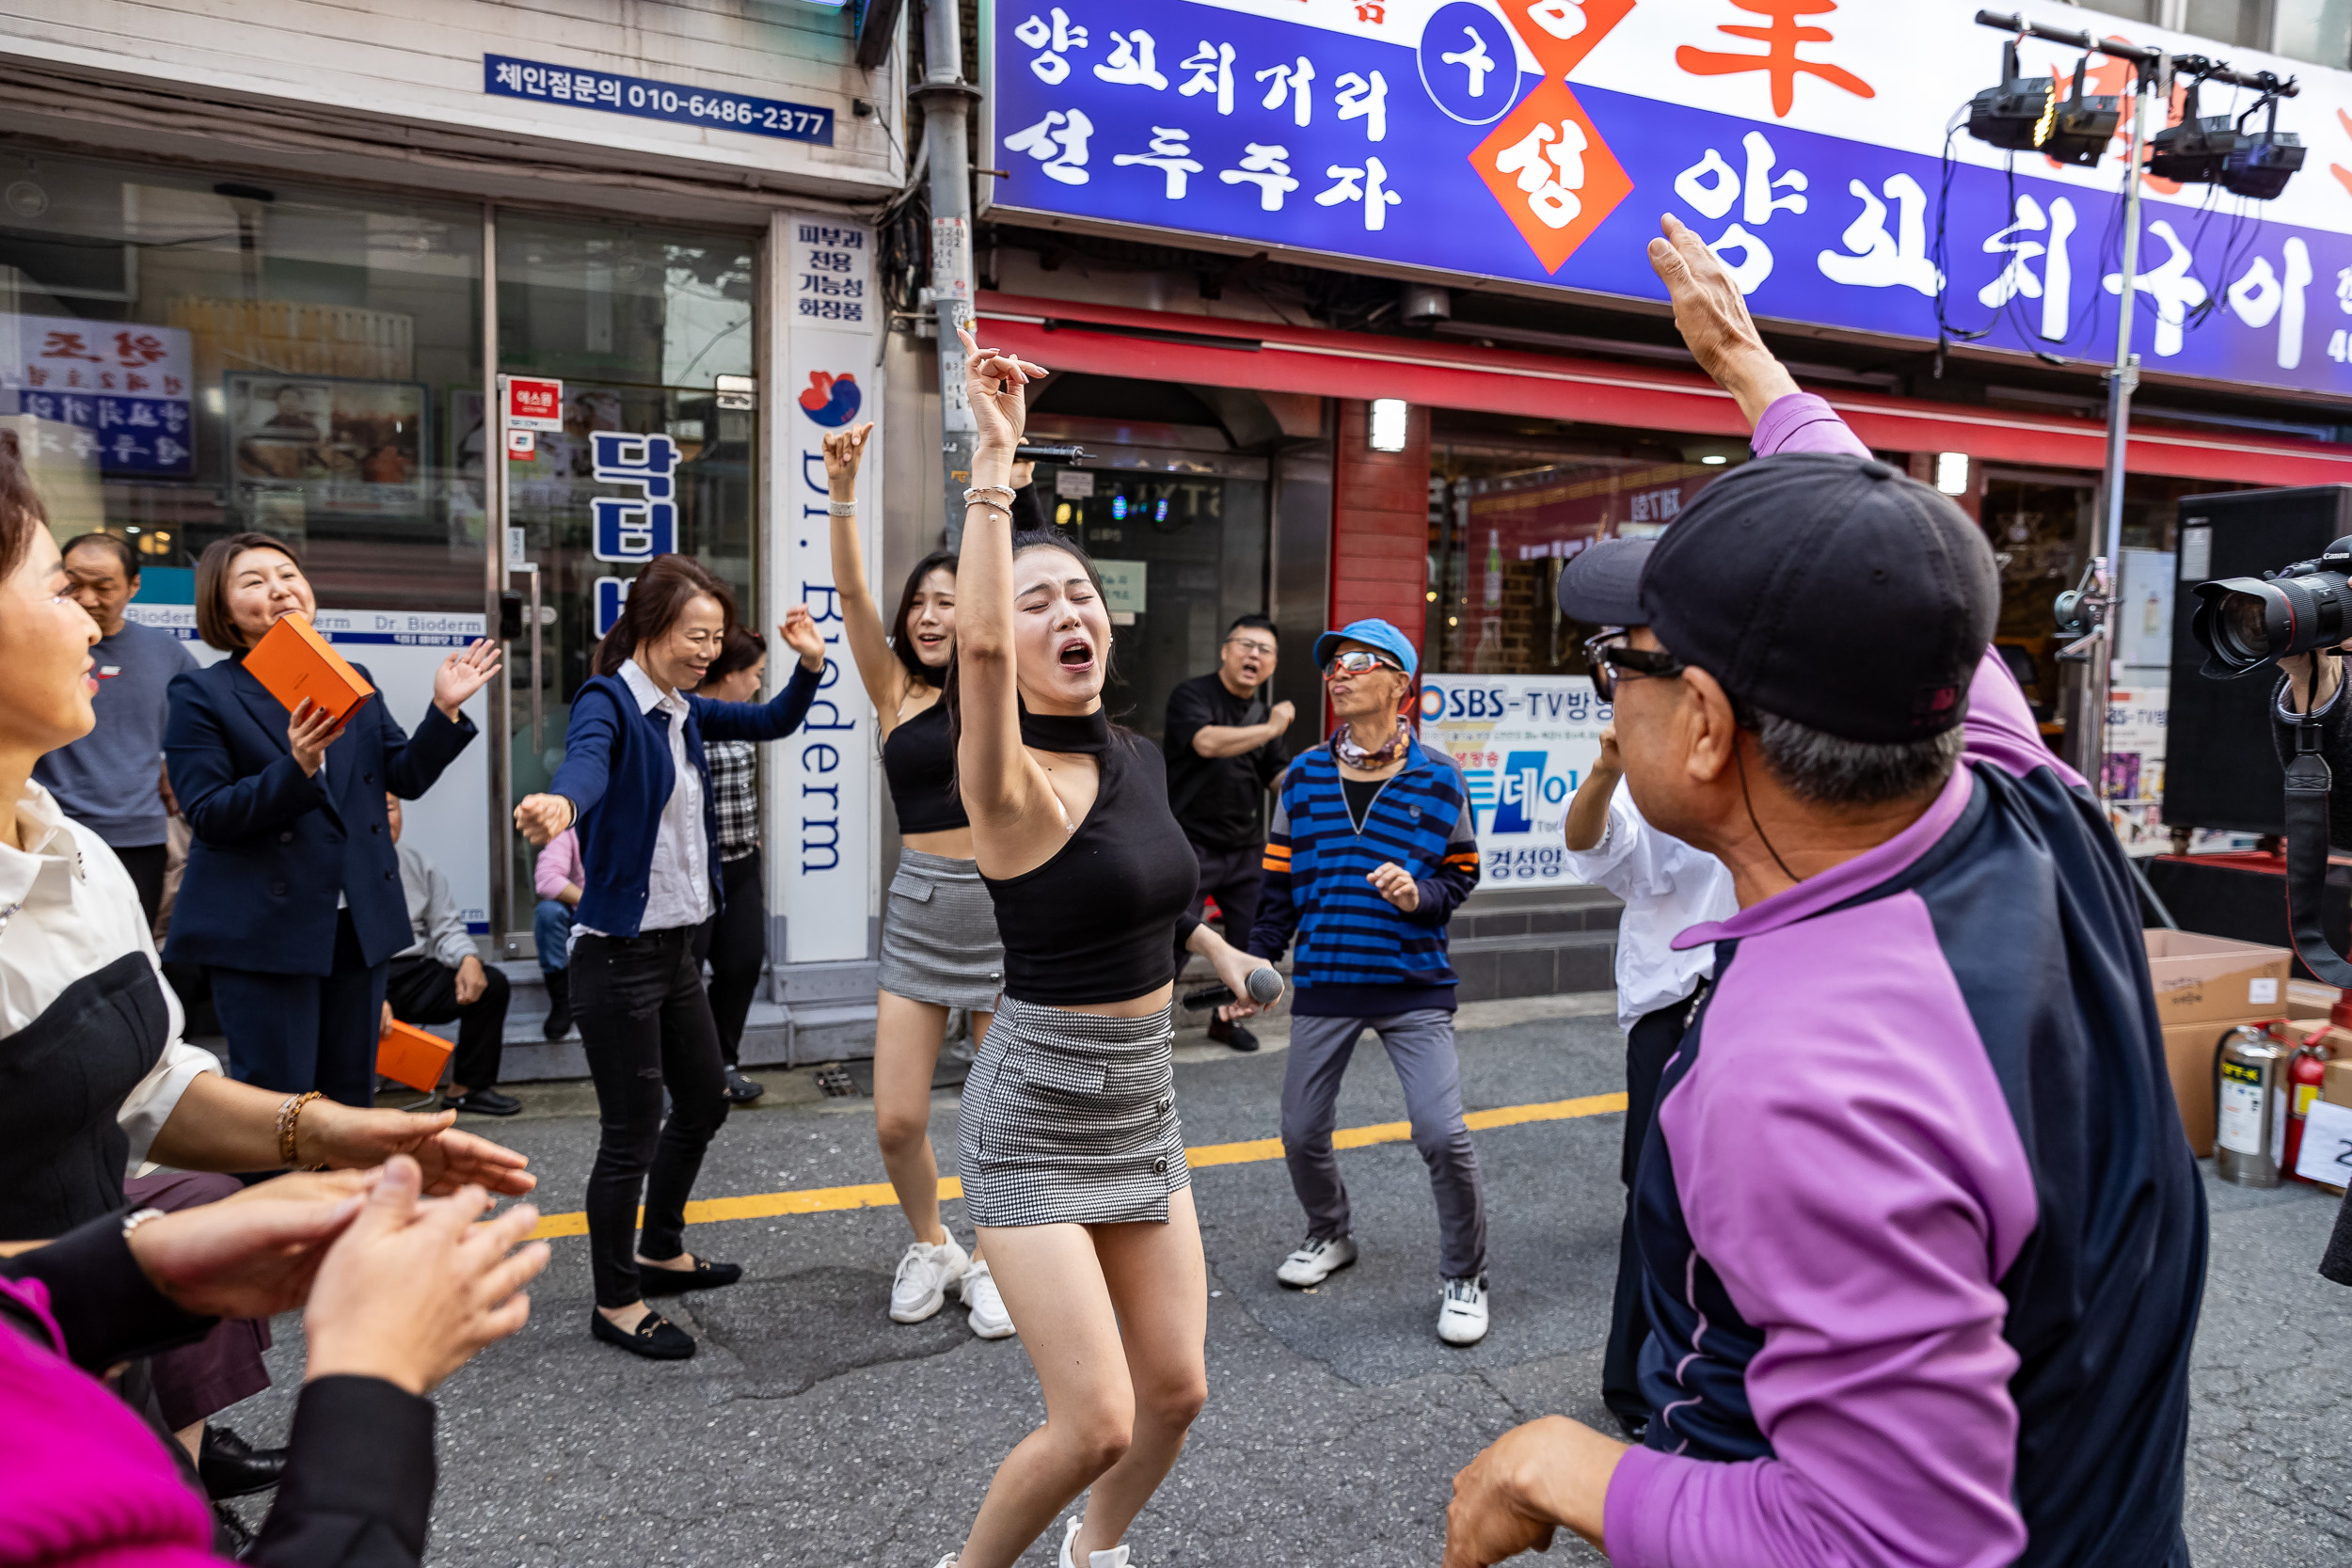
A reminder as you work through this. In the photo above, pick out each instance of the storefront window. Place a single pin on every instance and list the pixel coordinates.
(639, 324)
(1513, 501)
(184, 358)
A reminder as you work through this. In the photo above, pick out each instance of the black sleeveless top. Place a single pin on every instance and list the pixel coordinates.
(62, 1078)
(1099, 921)
(922, 770)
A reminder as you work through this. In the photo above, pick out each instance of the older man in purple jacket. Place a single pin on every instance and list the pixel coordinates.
(1923, 1244)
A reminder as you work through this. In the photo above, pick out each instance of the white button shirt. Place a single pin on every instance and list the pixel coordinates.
(70, 909)
(1668, 887)
(678, 885)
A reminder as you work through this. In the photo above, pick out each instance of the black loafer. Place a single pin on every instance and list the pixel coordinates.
(1226, 1032)
(705, 1275)
(741, 1090)
(656, 1338)
(486, 1102)
(232, 1467)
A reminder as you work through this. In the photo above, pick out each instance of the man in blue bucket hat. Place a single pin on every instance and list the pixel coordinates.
(1371, 849)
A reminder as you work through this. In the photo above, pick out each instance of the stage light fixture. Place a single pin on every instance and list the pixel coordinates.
(2264, 161)
(2024, 114)
(2195, 151)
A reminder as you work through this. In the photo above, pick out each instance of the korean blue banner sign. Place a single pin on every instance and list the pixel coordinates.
(1815, 144)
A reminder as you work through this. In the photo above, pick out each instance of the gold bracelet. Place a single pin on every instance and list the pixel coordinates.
(288, 1114)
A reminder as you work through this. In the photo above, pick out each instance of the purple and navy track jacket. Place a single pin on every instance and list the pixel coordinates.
(1923, 1244)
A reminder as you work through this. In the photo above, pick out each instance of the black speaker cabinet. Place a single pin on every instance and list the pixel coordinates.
(2220, 769)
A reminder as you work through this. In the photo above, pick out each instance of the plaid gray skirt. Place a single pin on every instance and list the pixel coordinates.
(939, 940)
(1069, 1118)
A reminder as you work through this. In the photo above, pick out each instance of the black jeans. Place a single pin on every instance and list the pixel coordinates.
(1648, 1046)
(738, 945)
(424, 989)
(645, 1024)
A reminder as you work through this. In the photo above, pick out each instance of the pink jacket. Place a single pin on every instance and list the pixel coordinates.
(82, 1480)
(558, 864)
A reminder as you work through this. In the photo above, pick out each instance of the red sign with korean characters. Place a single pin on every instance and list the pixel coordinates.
(534, 403)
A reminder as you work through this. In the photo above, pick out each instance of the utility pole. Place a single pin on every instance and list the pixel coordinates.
(946, 99)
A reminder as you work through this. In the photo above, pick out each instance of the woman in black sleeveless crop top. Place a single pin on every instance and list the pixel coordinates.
(939, 946)
(1068, 1143)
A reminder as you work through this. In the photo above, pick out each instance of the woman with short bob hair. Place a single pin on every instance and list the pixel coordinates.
(291, 897)
(1068, 1146)
(636, 782)
(939, 944)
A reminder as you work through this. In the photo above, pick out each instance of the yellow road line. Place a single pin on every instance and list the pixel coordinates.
(880, 1195)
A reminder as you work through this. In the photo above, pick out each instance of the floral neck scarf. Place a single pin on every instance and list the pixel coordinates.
(1343, 746)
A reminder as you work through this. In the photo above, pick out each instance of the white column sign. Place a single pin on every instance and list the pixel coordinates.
(823, 781)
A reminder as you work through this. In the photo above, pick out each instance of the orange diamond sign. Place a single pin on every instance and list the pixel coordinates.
(1556, 179)
(1556, 176)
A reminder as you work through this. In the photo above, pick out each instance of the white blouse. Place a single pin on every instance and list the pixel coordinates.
(68, 910)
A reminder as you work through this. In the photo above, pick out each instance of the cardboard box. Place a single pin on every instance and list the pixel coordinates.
(2200, 977)
(2188, 1049)
(2336, 1087)
(293, 661)
(418, 1057)
(2309, 999)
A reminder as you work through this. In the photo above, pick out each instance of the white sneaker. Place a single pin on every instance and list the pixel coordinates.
(1316, 1261)
(924, 1274)
(1115, 1557)
(1462, 1312)
(990, 1320)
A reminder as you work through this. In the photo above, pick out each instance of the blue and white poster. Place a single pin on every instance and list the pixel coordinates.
(1817, 145)
(1524, 743)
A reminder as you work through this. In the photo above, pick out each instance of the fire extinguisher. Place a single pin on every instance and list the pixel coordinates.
(2250, 1095)
(2305, 1070)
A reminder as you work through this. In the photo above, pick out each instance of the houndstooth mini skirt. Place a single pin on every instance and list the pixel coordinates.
(1069, 1118)
(939, 941)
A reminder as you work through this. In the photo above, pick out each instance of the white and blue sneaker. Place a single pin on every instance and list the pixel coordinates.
(1462, 1311)
(1316, 1261)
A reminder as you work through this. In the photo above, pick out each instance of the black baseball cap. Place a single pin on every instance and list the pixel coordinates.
(1603, 583)
(1829, 588)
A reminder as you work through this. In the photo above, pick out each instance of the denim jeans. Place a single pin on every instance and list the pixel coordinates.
(644, 1021)
(551, 930)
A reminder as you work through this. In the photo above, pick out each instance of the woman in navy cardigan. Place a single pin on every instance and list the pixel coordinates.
(291, 897)
(634, 780)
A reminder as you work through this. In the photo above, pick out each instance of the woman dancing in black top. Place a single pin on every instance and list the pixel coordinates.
(1069, 1147)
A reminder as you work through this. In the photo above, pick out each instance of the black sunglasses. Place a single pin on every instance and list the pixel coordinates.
(1607, 653)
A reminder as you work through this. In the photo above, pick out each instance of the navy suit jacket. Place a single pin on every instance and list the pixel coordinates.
(274, 849)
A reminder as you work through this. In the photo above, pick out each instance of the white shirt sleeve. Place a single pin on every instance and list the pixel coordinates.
(1621, 861)
(153, 1099)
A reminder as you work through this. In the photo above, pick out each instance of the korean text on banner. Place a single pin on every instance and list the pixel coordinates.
(823, 782)
(1803, 139)
(1524, 743)
(117, 394)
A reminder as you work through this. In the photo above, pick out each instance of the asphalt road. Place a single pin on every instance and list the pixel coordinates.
(812, 1430)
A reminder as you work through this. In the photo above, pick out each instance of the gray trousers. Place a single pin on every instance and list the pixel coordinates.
(1421, 1048)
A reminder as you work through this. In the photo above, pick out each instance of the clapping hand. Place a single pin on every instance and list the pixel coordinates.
(462, 674)
(800, 635)
(351, 1136)
(252, 1255)
(413, 1288)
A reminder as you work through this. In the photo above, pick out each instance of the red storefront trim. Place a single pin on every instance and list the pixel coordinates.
(1157, 345)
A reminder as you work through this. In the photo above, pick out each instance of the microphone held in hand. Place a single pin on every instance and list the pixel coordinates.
(1265, 988)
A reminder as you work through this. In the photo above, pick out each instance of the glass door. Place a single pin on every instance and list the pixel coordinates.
(639, 324)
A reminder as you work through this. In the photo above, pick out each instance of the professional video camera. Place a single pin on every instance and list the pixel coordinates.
(2248, 623)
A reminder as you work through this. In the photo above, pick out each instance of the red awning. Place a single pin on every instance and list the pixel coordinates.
(1157, 345)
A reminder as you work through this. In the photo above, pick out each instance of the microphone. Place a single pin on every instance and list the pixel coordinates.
(1265, 988)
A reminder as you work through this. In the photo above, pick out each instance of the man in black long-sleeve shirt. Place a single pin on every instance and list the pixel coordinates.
(1225, 750)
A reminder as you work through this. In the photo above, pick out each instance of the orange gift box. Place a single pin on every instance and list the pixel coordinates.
(413, 1056)
(293, 661)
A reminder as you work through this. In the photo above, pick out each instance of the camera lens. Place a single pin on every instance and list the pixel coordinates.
(2244, 625)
